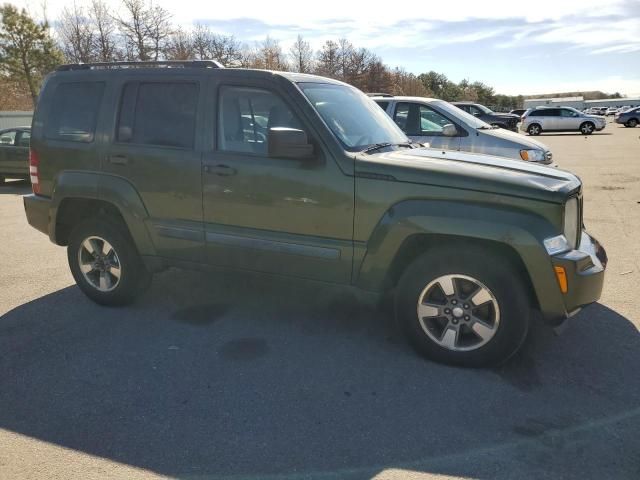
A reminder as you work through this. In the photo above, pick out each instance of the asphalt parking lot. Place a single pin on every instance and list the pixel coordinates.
(212, 376)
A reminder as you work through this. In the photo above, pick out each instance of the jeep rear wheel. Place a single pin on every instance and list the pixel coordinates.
(534, 129)
(587, 128)
(105, 263)
(465, 307)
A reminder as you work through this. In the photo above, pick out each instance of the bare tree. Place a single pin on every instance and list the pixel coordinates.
(105, 45)
(269, 55)
(301, 55)
(210, 46)
(76, 35)
(159, 29)
(345, 56)
(145, 28)
(328, 62)
(180, 46)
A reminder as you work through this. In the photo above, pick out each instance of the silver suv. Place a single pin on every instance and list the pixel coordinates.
(444, 126)
(562, 119)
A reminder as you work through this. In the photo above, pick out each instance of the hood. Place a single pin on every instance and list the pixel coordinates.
(505, 115)
(525, 142)
(493, 175)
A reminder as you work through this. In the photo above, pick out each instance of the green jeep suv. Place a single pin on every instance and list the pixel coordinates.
(137, 167)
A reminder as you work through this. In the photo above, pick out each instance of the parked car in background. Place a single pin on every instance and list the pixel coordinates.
(136, 169)
(502, 120)
(518, 111)
(14, 153)
(628, 118)
(562, 119)
(611, 111)
(443, 126)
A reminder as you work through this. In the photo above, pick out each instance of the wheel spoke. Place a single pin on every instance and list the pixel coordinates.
(481, 297)
(449, 338)
(105, 281)
(115, 271)
(106, 248)
(428, 310)
(86, 267)
(91, 246)
(447, 285)
(482, 329)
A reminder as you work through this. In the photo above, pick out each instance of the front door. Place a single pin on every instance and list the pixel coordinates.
(155, 147)
(266, 214)
(423, 124)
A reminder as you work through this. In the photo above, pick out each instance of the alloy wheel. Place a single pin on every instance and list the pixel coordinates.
(99, 263)
(458, 312)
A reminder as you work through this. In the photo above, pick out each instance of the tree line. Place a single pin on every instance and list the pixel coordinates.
(143, 31)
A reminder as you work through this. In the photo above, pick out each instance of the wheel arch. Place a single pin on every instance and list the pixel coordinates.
(77, 195)
(413, 227)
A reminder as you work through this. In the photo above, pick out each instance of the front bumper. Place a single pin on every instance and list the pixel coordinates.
(585, 267)
(37, 209)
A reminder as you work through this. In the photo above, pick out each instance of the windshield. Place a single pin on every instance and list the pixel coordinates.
(354, 118)
(467, 118)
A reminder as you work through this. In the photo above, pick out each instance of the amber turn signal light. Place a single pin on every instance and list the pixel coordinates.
(561, 275)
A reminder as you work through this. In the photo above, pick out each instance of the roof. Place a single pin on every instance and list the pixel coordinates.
(178, 67)
(410, 99)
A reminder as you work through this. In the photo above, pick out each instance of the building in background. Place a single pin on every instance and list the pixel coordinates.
(580, 103)
(15, 119)
(575, 102)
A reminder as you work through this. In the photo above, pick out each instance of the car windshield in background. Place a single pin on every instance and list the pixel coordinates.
(455, 112)
(354, 118)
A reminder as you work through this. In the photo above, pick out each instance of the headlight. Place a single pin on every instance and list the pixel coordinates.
(532, 155)
(571, 222)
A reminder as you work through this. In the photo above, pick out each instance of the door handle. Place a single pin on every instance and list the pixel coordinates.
(119, 160)
(220, 170)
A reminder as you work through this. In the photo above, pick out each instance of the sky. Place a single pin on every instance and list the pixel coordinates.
(517, 47)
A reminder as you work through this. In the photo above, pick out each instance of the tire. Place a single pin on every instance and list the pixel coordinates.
(587, 128)
(2, 179)
(121, 277)
(502, 304)
(632, 123)
(534, 129)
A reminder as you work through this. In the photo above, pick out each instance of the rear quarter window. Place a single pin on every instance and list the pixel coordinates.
(73, 111)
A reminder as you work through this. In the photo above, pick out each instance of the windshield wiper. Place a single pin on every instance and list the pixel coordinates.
(378, 146)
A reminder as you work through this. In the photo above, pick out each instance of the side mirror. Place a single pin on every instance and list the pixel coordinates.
(289, 143)
(476, 114)
(449, 130)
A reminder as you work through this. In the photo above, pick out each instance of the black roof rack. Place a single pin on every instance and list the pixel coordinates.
(379, 94)
(151, 64)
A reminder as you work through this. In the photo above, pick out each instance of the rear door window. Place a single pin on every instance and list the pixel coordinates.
(158, 114)
(73, 111)
(8, 138)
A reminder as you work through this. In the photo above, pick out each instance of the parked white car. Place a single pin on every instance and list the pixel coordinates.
(563, 119)
(445, 127)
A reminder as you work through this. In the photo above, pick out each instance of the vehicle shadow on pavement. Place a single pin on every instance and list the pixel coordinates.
(246, 377)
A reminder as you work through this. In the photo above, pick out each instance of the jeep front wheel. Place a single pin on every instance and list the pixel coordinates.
(463, 307)
(105, 263)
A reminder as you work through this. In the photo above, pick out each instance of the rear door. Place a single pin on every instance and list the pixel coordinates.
(154, 146)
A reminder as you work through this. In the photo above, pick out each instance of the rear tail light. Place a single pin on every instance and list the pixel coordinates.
(34, 174)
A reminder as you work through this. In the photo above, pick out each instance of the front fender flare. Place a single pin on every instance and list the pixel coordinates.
(520, 230)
